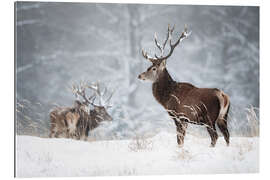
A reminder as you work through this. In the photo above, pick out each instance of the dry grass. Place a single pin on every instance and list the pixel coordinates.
(139, 143)
(31, 119)
(184, 155)
(244, 148)
(253, 121)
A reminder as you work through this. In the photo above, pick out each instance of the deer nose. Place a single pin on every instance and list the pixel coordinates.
(139, 76)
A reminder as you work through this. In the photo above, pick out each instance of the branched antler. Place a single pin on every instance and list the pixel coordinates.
(80, 90)
(158, 59)
(162, 47)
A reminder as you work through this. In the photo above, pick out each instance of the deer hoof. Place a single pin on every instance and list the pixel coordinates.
(212, 145)
(180, 145)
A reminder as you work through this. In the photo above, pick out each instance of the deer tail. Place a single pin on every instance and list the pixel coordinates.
(224, 101)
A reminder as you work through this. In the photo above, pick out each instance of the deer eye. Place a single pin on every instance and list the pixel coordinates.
(154, 68)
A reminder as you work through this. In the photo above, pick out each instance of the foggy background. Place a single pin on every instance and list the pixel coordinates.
(61, 43)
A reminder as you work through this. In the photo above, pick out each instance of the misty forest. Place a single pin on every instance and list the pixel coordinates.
(59, 44)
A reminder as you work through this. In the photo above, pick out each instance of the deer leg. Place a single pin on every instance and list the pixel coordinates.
(82, 134)
(53, 130)
(71, 133)
(78, 137)
(223, 115)
(52, 134)
(61, 133)
(213, 134)
(222, 125)
(181, 131)
(68, 134)
(57, 134)
(78, 134)
(75, 135)
(86, 133)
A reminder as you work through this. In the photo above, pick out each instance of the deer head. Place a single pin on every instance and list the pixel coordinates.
(159, 62)
(102, 114)
(101, 108)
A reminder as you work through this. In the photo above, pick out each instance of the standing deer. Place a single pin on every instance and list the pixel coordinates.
(184, 102)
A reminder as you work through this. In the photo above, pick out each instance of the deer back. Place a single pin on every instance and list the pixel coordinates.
(197, 104)
(57, 116)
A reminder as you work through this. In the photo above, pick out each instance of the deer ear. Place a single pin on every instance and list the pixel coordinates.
(163, 65)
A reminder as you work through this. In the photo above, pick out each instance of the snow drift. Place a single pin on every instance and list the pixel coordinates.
(142, 156)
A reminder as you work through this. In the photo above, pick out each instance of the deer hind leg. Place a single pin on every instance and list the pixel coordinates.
(223, 115)
(53, 130)
(52, 134)
(222, 125)
(211, 128)
(213, 134)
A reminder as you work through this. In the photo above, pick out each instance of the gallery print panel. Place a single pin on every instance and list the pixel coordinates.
(136, 89)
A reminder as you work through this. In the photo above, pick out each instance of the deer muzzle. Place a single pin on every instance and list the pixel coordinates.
(141, 77)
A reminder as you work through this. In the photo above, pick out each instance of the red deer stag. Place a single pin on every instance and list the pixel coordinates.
(76, 121)
(184, 102)
(91, 114)
(64, 120)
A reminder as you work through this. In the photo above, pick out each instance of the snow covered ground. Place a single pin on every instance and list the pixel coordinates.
(142, 156)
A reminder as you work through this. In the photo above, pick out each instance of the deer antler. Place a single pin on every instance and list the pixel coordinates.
(145, 55)
(107, 102)
(80, 91)
(161, 48)
(96, 88)
(160, 58)
(101, 94)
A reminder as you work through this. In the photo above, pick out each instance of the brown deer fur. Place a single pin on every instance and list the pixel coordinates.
(75, 122)
(90, 121)
(186, 103)
(59, 126)
(72, 119)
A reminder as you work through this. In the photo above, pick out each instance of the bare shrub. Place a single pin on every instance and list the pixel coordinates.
(253, 121)
(244, 147)
(140, 142)
(31, 118)
(184, 155)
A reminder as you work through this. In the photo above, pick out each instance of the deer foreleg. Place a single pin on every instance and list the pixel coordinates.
(86, 133)
(181, 131)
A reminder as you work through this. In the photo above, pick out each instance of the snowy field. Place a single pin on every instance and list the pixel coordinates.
(157, 155)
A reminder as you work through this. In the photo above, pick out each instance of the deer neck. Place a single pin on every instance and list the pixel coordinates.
(162, 87)
(93, 120)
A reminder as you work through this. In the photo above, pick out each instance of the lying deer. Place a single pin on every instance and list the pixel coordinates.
(184, 102)
(64, 120)
(91, 114)
(76, 121)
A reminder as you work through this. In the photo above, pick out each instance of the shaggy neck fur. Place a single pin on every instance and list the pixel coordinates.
(163, 87)
(93, 123)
